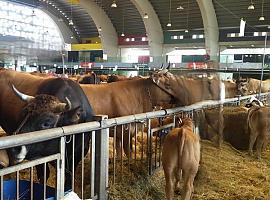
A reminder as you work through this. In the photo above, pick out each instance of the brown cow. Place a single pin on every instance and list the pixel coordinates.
(252, 86)
(138, 96)
(181, 155)
(115, 78)
(259, 125)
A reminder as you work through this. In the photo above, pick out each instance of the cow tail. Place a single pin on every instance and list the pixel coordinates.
(181, 143)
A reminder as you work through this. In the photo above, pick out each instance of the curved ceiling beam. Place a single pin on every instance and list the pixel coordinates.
(153, 29)
(211, 30)
(65, 31)
(108, 33)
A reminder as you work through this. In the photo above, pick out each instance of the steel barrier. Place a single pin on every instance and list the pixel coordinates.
(94, 174)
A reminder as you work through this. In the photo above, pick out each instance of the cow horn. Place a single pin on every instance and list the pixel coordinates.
(22, 96)
(62, 107)
(68, 105)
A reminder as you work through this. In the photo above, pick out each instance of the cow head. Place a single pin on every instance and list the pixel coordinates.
(242, 86)
(41, 112)
(167, 82)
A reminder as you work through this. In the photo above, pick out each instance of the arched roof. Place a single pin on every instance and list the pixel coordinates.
(228, 14)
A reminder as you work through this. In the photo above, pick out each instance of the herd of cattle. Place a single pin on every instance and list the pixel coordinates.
(31, 102)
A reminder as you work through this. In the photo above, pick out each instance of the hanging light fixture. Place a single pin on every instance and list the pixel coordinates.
(70, 22)
(262, 17)
(251, 5)
(180, 7)
(114, 5)
(123, 24)
(186, 31)
(169, 22)
(145, 16)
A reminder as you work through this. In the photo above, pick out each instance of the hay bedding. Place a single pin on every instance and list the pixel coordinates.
(224, 173)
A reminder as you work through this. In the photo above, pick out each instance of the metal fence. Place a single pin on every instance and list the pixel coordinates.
(137, 134)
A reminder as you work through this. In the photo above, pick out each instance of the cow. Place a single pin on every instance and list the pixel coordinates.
(115, 78)
(89, 79)
(181, 156)
(252, 86)
(4, 159)
(64, 90)
(259, 126)
(138, 96)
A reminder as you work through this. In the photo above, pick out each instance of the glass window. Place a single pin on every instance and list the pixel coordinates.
(33, 25)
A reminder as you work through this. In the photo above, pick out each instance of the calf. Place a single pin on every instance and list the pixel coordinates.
(259, 126)
(181, 155)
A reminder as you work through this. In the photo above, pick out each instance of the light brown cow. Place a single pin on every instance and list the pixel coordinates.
(181, 155)
(252, 86)
(259, 126)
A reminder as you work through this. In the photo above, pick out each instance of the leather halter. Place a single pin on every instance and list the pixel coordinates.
(25, 120)
(21, 125)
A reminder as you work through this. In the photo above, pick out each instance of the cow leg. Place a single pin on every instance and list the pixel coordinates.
(40, 172)
(188, 183)
(127, 144)
(259, 146)
(169, 188)
(252, 139)
(178, 177)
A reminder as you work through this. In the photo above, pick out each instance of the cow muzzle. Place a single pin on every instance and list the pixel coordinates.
(4, 159)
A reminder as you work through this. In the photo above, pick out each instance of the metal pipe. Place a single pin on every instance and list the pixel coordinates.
(44, 135)
(265, 42)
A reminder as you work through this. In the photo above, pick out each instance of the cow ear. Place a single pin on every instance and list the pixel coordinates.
(74, 115)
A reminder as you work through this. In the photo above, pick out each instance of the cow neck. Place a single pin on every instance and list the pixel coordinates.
(149, 97)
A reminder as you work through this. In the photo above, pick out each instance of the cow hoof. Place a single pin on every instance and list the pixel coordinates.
(177, 191)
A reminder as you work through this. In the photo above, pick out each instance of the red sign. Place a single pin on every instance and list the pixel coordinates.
(197, 65)
(87, 64)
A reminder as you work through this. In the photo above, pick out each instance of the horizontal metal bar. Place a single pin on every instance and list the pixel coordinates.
(29, 164)
(44, 135)
(162, 127)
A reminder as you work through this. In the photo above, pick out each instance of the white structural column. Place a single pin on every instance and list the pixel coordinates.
(211, 30)
(108, 33)
(65, 31)
(153, 29)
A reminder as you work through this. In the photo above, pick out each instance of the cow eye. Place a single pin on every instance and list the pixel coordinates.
(45, 125)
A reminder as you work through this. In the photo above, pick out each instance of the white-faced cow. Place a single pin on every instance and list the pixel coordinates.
(259, 126)
(181, 156)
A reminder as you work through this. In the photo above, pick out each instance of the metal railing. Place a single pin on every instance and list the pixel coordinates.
(95, 172)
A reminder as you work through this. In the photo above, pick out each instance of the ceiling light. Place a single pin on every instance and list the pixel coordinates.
(99, 29)
(123, 34)
(261, 18)
(180, 8)
(145, 16)
(252, 45)
(71, 37)
(251, 6)
(70, 22)
(170, 6)
(186, 31)
(114, 5)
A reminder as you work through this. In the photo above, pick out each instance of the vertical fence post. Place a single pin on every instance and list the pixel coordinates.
(149, 147)
(62, 168)
(102, 159)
